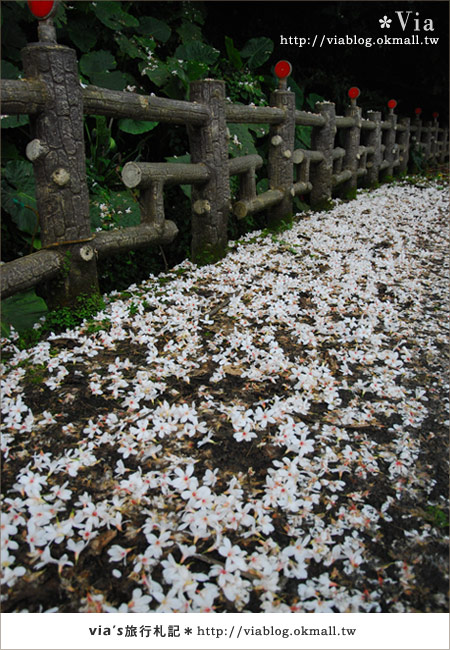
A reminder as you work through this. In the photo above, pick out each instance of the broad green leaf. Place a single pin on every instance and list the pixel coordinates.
(97, 62)
(136, 126)
(11, 121)
(111, 80)
(196, 70)
(260, 130)
(262, 186)
(197, 51)
(82, 34)
(241, 142)
(233, 53)
(113, 16)
(159, 76)
(18, 194)
(10, 71)
(303, 136)
(189, 32)
(23, 310)
(130, 46)
(158, 29)
(257, 51)
(312, 99)
(122, 209)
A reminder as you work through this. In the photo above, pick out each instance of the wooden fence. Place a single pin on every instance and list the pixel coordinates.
(52, 95)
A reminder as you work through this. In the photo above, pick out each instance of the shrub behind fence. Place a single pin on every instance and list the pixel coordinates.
(373, 149)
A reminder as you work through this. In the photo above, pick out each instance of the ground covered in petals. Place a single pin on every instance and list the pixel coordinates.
(268, 433)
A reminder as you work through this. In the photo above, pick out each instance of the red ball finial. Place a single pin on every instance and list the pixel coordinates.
(418, 111)
(283, 69)
(41, 9)
(392, 104)
(435, 115)
(354, 92)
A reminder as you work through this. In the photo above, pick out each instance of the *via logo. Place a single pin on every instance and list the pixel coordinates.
(403, 18)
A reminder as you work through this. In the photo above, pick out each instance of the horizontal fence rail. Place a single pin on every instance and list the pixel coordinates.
(346, 150)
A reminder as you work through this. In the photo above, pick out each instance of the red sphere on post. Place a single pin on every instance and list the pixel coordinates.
(41, 9)
(283, 69)
(435, 115)
(354, 92)
(418, 111)
(392, 104)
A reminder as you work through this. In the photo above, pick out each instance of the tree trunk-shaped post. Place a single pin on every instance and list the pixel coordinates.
(417, 137)
(58, 157)
(390, 145)
(211, 200)
(403, 142)
(352, 138)
(434, 139)
(443, 146)
(280, 160)
(322, 140)
(374, 142)
(428, 132)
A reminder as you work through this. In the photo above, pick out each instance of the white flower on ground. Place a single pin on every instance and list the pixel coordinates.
(118, 554)
(234, 556)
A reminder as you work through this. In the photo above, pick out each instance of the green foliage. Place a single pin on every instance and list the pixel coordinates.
(233, 54)
(62, 319)
(257, 51)
(27, 313)
(136, 126)
(436, 516)
(197, 51)
(121, 47)
(21, 311)
(417, 159)
(18, 200)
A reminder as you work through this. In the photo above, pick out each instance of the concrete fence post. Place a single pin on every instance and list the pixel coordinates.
(374, 141)
(280, 159)
(403, 142)
(389, 141)
(322, 140)
(58, 155)
(210, 201)
(352, 139)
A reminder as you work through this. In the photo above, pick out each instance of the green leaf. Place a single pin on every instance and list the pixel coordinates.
(11, 121)
(150, 26)
(95, 63)
(122, 209)
(260, 130)
(23, 310)
(111, 80)
(113, 16)
(131, 46)
(159, 76)
(136, 126)
(233, 53)
(186, 158)
(257, 51)
(303, 136)
(10, 71)
(18, 194)
(312, 99)
(196, 70)
(189, 32)
(82, 34)
(197, 51)
(241, 142)
(262, 186)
